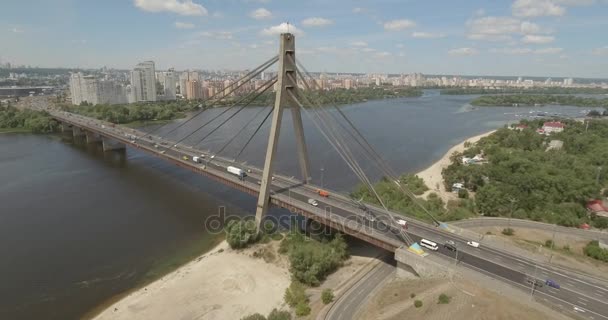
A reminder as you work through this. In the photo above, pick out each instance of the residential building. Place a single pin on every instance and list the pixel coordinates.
(168, 81)
(552, 126)
(194, 89)
(90, 89)
(143, 82)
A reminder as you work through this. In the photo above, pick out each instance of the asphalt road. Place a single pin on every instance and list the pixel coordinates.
(589, 295)
(348, 305)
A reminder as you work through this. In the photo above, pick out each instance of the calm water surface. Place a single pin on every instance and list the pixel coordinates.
(79, 226)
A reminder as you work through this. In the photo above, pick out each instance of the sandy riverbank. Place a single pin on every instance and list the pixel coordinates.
(221, 284)
(432, 175)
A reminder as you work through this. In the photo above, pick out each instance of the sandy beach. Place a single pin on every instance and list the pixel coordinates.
(432, 175)
(221, 284)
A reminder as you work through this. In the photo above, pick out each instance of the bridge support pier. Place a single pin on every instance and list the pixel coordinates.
(425, 267)
(92, 137)
(77, 132)
(286, 88)
(65, 127)
(109, 144)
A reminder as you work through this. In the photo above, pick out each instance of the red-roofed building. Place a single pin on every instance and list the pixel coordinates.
(521, 127)
(553, 126)
(597, 207)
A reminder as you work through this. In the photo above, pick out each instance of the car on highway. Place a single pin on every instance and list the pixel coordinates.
(577, 309)
(313, 202)
(450, 245)
(402, 223)
(473, 244)
(156, 146)
(162, 152)
(212, 157)
(185, 157)
(552, 284)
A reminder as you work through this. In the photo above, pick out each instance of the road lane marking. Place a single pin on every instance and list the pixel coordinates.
(582, 303)
(584, 299)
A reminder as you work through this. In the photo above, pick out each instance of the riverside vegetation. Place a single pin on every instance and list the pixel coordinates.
(521, 178)
(556, 90)
(521, 100)
(17, 120)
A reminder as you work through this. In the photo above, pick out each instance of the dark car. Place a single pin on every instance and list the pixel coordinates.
(535, 282)
(552, 284)
(449, 246)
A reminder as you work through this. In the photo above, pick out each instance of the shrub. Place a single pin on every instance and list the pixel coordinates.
(463, 194)
(566, 248)
(417, 303)
(302, 309)
(327, 296)
(508, 231)
(444, 299)
(279, 315)
(241, 233)
(255, 316)
(413, 295)
(295, 294)
(549, 244)
(489, 233)
(594, 251)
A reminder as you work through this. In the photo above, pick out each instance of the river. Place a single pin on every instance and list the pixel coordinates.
(79, 226)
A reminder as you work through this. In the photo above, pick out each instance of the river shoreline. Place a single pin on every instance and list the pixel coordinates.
(219, 284)
(432, 175)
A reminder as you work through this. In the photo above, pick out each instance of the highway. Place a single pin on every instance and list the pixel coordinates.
(588, 294)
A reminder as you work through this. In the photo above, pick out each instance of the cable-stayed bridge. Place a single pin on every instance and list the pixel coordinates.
(373, 224)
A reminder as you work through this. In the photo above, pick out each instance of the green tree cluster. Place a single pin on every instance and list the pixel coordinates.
(275, 314)
(295, 296)
(524, 180)
(554, 90)
(241, 233)
(126, 113)
(538, 99)
(312, 260)
(444, 299)
(594, 251)
(327, 296)
(30, 120)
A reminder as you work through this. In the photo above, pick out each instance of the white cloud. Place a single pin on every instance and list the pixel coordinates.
(258, 1)
(536, 39)
(519, 51)
(357, 10)
(17, 30)
(368, 49)
(282, 28)
(316, 22)
(463, 52)
(603, 51)
(575, 2)
(260, 14)
(383, 54)
(536, 8)
(359, 44)
(183, 25)
(397, 25)
(427, 35)
(183, 7)
(500, 28)
(513, 51)
(219, 35)
(548, 51)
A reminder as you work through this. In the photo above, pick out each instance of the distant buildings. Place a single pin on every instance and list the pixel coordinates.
(143, 82)
(90, 89)
(552, 126)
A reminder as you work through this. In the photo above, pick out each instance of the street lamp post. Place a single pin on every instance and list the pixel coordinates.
(322, 176)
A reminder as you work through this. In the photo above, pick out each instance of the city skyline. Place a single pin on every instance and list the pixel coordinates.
(553, 38)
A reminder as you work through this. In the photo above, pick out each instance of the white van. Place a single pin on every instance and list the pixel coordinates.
(313, 202)
(429, 244)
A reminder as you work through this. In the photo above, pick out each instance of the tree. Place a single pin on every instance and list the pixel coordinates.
(295, 294)
(444, 299)
(327, 296)
(279, 315)
(302, 309)
(240, 233)
(417, 303)
(508, 231)
(255, 316)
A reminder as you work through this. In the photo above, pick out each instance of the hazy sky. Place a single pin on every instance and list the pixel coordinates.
(520, 37)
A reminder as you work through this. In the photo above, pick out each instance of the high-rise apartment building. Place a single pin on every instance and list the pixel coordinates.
(194, 90)
(143, 82)
(168, 81)
(92, 90)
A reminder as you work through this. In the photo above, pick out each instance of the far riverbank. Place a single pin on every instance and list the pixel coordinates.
(432, 175)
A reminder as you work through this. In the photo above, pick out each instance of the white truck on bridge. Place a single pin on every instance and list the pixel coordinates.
(237, 171)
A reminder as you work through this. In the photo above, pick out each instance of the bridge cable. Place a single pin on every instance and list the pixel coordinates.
(379, 161)
(253, 73)
(221, 113)
(254, 133)
(245, 126)
(249, 75)
(345, 157)
(236, 112)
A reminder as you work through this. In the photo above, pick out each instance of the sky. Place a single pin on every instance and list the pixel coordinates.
(555, 38)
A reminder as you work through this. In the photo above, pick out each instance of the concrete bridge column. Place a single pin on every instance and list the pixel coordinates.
(92, 137)
(65, 127)
(424, 266)
(109, 144)
(77, 132)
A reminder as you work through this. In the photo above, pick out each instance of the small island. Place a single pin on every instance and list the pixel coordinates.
(525, 100)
